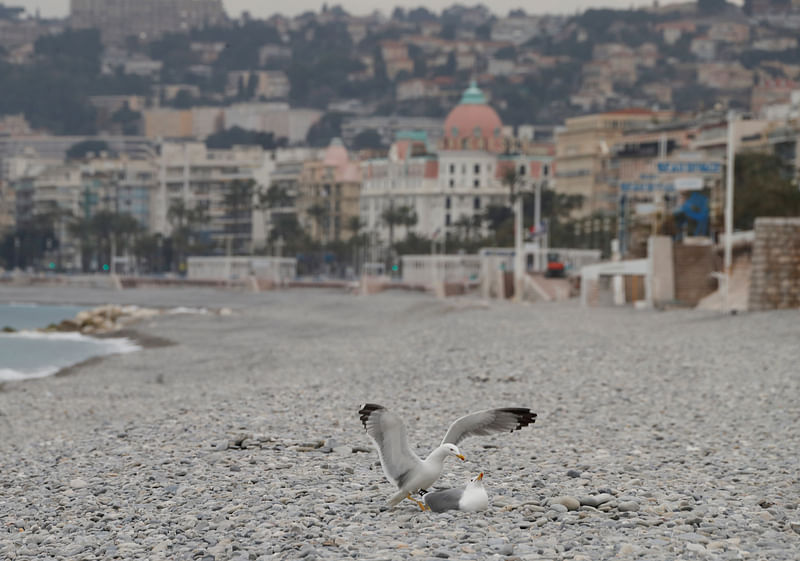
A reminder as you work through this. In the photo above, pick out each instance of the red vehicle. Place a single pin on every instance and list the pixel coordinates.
(555, 267)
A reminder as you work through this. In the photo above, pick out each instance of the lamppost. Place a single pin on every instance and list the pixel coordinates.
(519, 257)
(728, 260)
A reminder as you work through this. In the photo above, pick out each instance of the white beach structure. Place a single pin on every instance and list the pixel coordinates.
(277, 270)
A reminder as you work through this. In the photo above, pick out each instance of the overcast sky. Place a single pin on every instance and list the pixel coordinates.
(262, 8)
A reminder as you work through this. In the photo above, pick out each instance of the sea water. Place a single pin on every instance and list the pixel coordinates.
(32, 354)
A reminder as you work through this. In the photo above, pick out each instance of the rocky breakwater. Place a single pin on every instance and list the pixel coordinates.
(108, 319)
(102, 320)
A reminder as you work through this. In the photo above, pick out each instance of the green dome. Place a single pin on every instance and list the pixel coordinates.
(473, 95)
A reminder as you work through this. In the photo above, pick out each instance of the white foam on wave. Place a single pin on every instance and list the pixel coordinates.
(112, 346)
(9, 375)
(119, 344)
(185, 310)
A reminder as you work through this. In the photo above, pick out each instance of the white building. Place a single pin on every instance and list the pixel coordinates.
(449, 190)
(517, 30)
(201, 179)
(275, 117)
(257, 84)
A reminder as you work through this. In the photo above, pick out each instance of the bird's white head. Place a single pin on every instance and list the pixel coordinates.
(453, 450)
(476, 482)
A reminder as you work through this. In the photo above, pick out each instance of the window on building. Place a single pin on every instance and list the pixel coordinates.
(546, 170)
(447, 220)
(452, 183)
(447, 202)
(522, 170)
(452, 168)
(477, 169)
(477, 183)
(465, 143)
(476, 203)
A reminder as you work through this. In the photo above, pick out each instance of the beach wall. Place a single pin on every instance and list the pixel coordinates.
(775, 272)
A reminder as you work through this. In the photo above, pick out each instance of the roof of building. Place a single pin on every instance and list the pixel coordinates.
(473, 117)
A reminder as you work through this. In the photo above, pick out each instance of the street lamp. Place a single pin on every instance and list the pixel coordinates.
(728, 261)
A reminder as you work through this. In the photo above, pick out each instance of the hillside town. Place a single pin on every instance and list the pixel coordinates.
(399, 280)
(166, 129)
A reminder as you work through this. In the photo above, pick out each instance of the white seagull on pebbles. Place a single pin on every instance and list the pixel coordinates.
(405, 469)
(471, 498)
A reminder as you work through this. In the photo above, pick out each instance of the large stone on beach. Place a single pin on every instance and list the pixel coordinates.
(570, 502)
(596, 500)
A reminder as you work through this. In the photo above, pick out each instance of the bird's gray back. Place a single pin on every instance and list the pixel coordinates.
(440, 501)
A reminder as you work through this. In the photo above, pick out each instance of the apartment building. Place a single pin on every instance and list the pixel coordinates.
(583, 151)
(221, 184)
(329, 191)
(119, 19)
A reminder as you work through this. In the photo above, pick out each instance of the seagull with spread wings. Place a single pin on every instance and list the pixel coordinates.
(408, 471)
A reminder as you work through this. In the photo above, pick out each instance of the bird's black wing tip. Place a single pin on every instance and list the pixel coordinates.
(523, 415)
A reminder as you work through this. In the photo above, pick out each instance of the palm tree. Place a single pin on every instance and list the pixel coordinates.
(464, 224)
(275, 197)
(238, 200)
(58, 220)
(184, 221)
(354, 224)
(392, 216)
(511, 179)
(408, 217)
(477, 222)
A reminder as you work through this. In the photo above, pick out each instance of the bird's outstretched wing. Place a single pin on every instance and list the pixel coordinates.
(389, 434)
(490, 421)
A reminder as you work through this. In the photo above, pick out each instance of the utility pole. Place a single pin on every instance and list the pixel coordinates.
(729, 207)
(537, 221)
(519, 257)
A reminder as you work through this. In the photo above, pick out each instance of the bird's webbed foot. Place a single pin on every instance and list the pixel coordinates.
(422, 506)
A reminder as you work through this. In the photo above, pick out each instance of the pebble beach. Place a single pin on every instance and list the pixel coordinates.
(660, 435)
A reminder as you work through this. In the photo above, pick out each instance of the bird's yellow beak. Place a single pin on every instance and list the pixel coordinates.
(461, 457)
(480, 476)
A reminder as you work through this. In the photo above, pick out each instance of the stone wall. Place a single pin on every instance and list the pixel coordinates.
(693, 267)
(775, 272)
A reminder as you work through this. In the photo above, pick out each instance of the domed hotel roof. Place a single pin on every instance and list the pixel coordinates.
(473, 124)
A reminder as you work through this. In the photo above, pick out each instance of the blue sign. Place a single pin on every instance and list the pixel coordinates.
(645, 187)
(689, 167)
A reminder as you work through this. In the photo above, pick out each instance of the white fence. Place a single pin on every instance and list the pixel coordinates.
(573, 259)
(432, 269)
(276, 269)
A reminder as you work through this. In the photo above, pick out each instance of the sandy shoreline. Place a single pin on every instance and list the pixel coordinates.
(211, 446)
